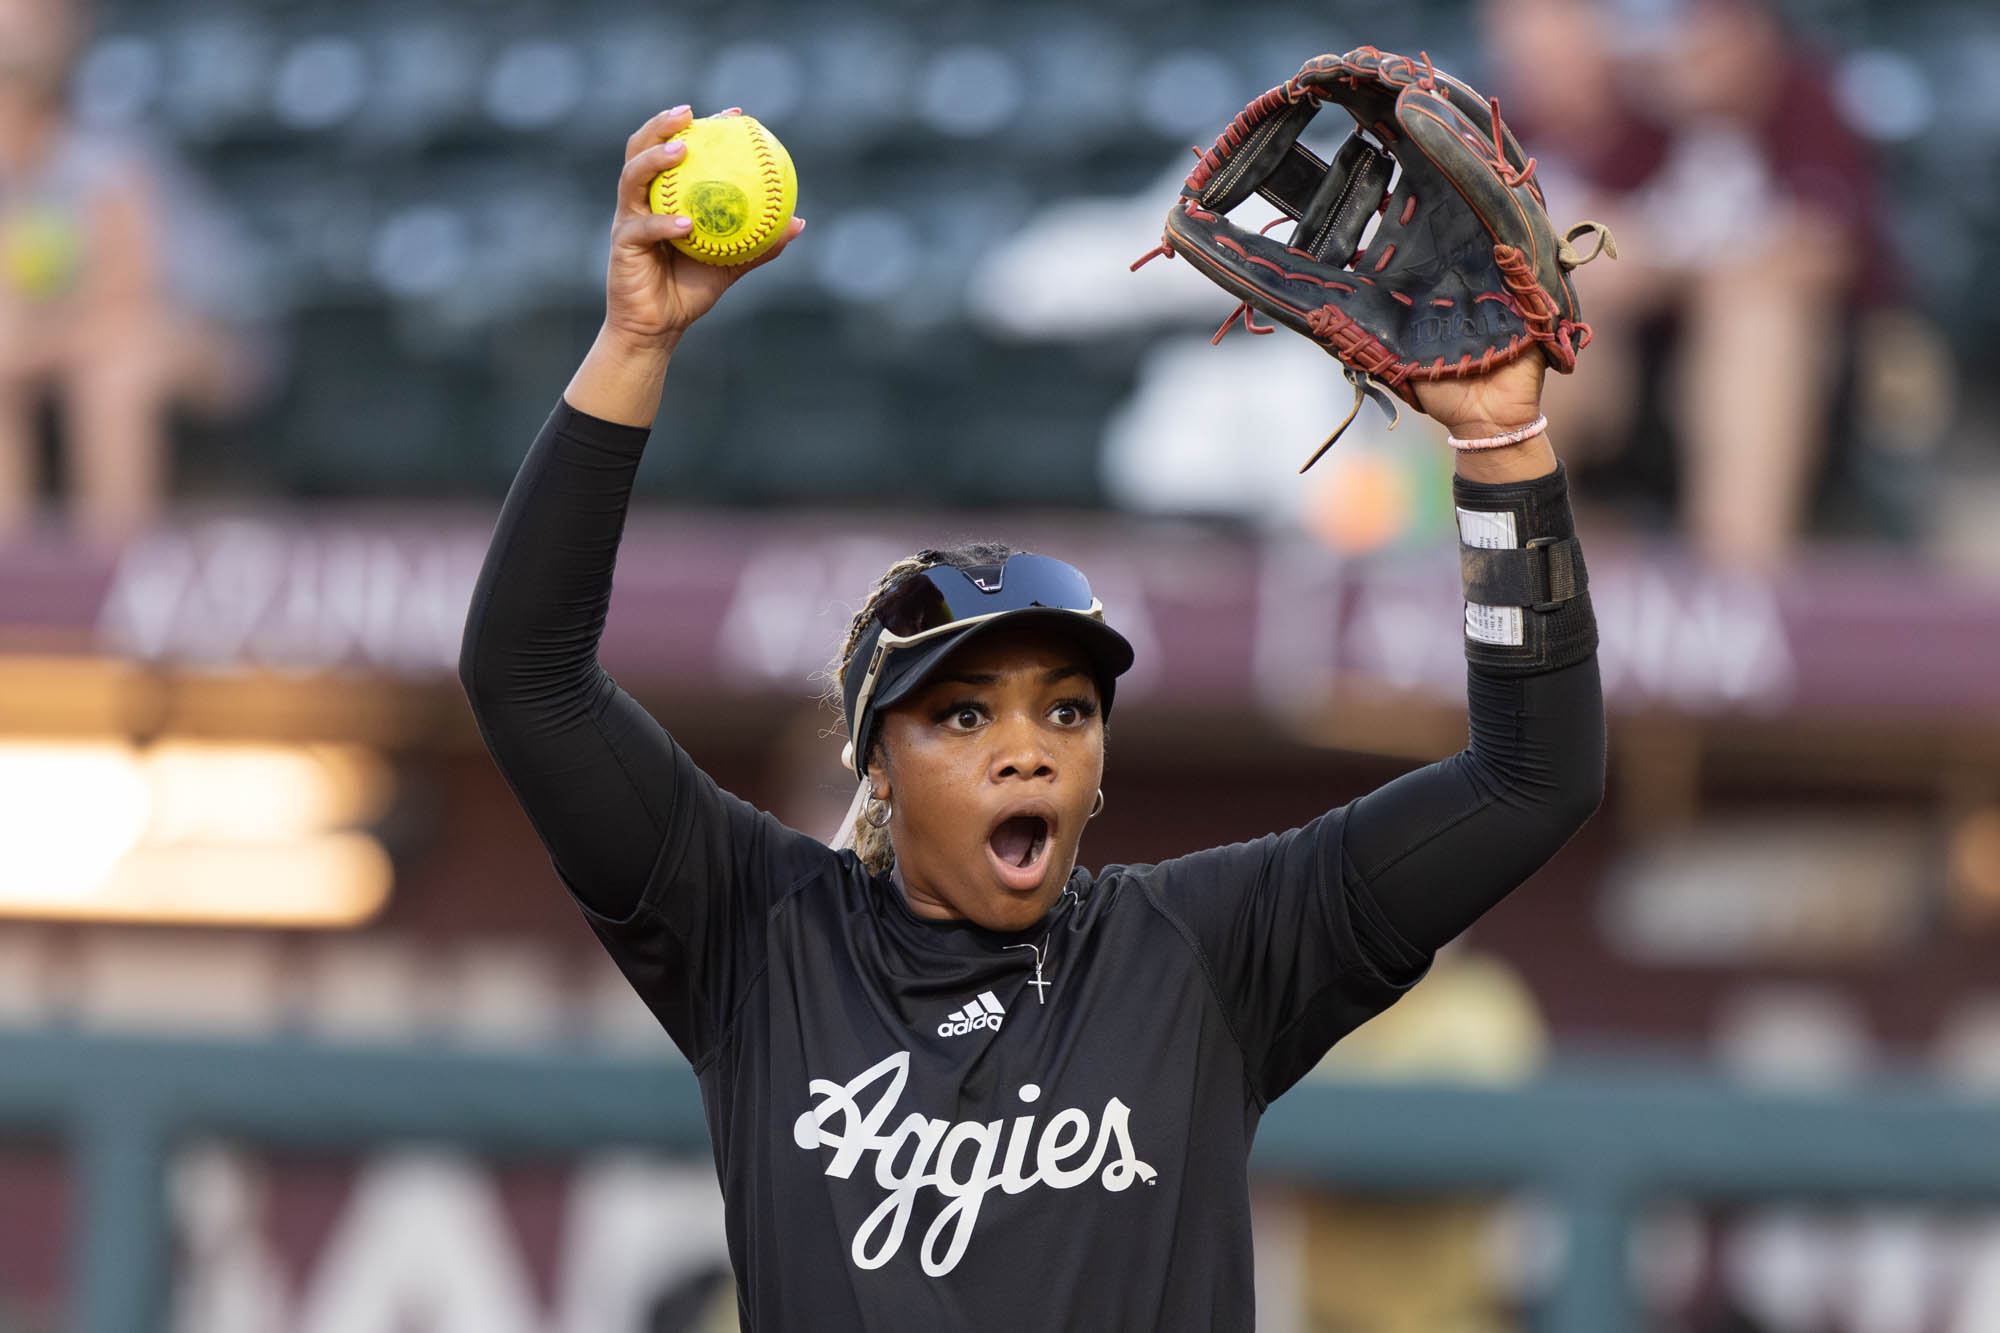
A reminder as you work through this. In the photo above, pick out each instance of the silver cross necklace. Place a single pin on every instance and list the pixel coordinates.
(1041, 986)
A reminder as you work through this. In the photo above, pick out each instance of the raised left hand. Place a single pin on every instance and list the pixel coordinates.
(1503, 399)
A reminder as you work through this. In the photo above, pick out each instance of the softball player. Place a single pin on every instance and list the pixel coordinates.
(953, 1079)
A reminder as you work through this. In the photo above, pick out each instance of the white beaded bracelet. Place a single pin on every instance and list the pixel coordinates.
(1503, 439)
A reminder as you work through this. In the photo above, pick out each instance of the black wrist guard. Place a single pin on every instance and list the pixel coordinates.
(1527, 599)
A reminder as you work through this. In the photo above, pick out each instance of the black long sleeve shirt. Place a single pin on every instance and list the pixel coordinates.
(910, 1135)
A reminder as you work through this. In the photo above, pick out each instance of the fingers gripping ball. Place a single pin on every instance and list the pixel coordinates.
(736, 185)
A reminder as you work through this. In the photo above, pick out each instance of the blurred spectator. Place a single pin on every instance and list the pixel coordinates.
(94, 320)
(1751, 244)
(1401, 1265)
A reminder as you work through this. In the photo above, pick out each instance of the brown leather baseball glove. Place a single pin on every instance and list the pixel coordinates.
(1464, 271)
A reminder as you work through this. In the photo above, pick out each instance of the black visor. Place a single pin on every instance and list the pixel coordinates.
(944, 594)
(944, 605)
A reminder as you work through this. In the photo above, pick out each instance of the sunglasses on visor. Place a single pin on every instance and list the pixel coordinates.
(945, 598)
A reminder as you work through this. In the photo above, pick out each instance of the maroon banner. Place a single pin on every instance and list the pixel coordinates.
(445, 1241)
(35, 1234)
(756, 606)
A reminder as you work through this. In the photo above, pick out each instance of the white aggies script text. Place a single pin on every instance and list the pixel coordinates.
(932, 1159)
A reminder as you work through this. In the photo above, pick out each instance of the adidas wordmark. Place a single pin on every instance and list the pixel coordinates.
(984, 1012)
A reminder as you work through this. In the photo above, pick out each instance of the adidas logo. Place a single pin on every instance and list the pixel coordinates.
(984, 1012)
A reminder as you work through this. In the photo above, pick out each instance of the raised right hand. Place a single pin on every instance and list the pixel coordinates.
(652, 291)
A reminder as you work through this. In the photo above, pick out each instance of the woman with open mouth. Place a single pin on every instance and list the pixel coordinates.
(954, 1080)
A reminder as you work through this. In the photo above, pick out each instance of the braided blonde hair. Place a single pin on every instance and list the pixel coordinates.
(872, 844)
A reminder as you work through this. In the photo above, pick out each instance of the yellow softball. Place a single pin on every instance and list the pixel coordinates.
(41, 254)
(737, 186)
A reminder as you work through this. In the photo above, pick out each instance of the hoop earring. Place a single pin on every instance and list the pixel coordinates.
(877, 814)
(1098, 808)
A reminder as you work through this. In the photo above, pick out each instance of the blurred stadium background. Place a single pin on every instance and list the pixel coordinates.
(297, 1031)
